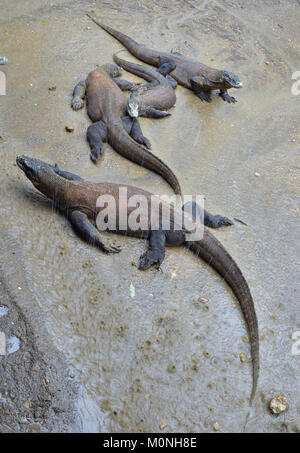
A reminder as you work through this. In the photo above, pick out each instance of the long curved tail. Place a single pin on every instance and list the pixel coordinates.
(137, 69)
(127, 147)
(212, 251)
(138, 50)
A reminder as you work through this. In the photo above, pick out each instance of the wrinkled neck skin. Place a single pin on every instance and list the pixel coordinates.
(217, 84)
(52, 186)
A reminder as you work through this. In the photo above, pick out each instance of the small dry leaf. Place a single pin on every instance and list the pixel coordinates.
(132, 290)
(27, 404)
(243, 357)
(163, 425)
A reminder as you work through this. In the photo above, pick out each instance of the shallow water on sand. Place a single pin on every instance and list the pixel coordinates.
(168, 355)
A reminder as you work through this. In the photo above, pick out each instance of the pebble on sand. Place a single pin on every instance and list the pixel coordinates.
(216, 426)
(69, 128)
(278, 404)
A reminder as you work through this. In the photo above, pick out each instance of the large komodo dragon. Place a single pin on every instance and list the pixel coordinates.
(79, 201)
(107, 108)
(151, 99)
(190, 73)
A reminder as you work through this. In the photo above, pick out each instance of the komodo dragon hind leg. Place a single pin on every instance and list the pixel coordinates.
(176, 53)
(78, 95)
(86, 230)
(137, 134)
(216, 221)
(200, 214)
(96, 135)
(127, 123)
(151, 112)
(166, 65)
(156, 252)
(172, 81)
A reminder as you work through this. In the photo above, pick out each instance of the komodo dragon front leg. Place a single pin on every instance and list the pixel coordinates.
(78, 95)
(66, 174)
(125, 85)
(96, 135)
(201, 88)
(87, 231)
(209, 220)
(226, 97)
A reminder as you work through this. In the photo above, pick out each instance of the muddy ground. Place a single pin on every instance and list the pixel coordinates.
(81, 353)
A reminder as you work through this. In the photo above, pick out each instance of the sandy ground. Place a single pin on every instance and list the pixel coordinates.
(82, 354)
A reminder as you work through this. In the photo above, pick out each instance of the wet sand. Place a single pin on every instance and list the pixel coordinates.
(169, 353)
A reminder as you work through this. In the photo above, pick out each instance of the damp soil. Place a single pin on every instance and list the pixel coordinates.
(84, 351)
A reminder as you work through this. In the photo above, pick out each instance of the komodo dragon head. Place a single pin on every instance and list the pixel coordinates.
(112, 69)
(37, 172)
(230, 80)
(217, 80)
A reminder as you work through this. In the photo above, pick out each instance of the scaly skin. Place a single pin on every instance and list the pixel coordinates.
(77, 199)
(190, 73)
(156, 96)
(107, 108)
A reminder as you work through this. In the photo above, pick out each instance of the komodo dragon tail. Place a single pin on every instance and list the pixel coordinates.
(127, 147)
(212, 251)
(137, 69)
(138, 50)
